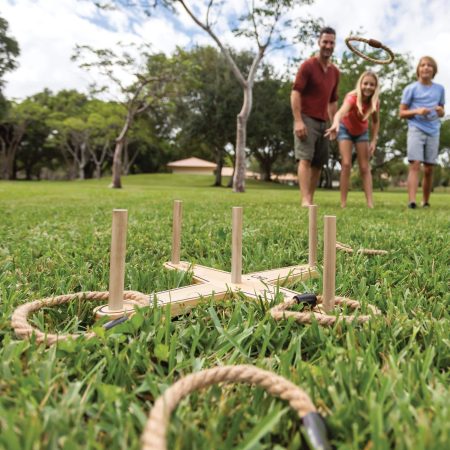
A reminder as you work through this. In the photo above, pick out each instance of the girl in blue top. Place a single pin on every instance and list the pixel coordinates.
(423, 105)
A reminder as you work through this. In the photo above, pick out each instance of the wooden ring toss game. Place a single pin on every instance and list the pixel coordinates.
(374, 44)
(155, 431)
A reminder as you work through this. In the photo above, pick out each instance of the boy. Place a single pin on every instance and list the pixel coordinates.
(422, 104)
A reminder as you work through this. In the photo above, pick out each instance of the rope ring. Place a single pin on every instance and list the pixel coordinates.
(281, 312)
(373, 43)
(155, 431)
(364, 251)
(23, 329)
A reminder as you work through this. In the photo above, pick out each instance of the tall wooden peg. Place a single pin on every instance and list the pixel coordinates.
(312, 237)
(236, 246)
(116, 306)
(176, 231)
(329, 263)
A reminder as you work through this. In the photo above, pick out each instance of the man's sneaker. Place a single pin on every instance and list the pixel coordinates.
(412, 205)
(425, 205)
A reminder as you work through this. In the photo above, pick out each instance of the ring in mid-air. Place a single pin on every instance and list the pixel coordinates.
(373, 43)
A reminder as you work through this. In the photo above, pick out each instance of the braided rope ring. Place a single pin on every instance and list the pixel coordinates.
(155, 431)
(281, 312)
(23, 329)
(365, 251)
(373, 43)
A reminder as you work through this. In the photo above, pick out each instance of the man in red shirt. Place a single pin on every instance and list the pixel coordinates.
(314, 102)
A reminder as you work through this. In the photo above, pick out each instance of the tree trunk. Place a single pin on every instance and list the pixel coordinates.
(117, 165)
(266, 171)
(241, 139)
(98, 170)
(219, 162)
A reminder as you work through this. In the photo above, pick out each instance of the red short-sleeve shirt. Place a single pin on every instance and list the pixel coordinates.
(353, 120)
(317, 87)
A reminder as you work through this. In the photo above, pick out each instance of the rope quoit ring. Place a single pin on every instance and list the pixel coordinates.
(281, 312)
(373, 43)
(365, 251)
(155, 431)
(24, 330)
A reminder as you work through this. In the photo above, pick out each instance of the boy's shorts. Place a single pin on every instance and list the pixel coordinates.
(422, 147)
(344, 135)
(314, 147)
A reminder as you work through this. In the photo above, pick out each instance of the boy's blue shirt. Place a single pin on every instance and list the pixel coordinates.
(418, 95)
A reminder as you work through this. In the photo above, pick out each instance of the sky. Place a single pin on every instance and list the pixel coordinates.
(48, 30)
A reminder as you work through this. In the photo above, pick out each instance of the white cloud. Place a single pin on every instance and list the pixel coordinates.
(48, 30)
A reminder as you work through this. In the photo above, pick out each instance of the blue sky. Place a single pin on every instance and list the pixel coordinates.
(47, 31)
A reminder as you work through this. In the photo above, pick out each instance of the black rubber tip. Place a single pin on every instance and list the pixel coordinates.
(316, 431)
(308, 298)
(113, 323)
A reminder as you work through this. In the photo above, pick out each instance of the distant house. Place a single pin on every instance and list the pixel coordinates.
(192, 166)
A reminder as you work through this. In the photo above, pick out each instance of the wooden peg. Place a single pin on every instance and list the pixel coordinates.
(176, 231)
(312, 237)
(116, 306)
(329, 263)
(236, 246)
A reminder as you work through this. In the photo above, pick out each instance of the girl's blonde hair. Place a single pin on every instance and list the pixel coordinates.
(373, 102)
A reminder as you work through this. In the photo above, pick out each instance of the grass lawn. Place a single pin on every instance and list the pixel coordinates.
(381, 385)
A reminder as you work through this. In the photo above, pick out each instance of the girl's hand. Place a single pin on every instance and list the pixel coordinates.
(332, 132)
(372, 148)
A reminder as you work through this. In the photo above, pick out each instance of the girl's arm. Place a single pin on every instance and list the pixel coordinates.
(333, 130)
(374, 128)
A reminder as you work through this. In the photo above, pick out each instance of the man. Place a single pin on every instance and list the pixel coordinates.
(314, 102)
(423, 105)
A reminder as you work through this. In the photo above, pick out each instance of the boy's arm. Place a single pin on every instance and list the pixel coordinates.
(406, 113)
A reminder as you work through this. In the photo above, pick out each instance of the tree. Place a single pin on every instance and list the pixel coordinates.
(9, 51)
(154, 77)
(266, 25)
(213, 94)
(12, 131)
(270, 126)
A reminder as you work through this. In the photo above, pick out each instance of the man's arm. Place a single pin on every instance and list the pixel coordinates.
(296, 105)
(332, 109)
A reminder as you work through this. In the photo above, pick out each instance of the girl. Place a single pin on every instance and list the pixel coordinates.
(351, 125)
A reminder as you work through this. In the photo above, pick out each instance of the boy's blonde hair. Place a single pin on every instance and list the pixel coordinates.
(373, 102)
(431, 60)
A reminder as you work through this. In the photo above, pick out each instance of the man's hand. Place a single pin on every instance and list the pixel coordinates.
(300, 129)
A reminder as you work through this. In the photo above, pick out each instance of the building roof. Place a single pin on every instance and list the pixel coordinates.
(192, 162)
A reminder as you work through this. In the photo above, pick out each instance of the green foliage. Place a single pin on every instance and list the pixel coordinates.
(9, 51)
(381, 385)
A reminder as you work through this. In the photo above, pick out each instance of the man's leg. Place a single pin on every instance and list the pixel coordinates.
(304, 176)
(427, 182)
(314, 181)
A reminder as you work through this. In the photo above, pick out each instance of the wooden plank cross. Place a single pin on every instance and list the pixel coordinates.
(218, 284)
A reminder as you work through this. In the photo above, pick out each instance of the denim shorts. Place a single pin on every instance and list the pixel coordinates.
(422, 147)
(344, 135)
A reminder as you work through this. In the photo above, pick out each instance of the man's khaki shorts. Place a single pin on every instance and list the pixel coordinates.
(314, 147)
